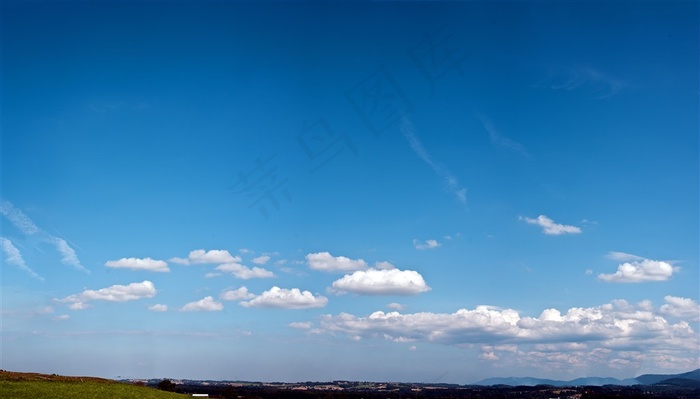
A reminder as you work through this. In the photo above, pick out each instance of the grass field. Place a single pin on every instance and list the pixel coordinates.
(31, 385)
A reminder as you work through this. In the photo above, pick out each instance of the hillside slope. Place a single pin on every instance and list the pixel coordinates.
(38, 386)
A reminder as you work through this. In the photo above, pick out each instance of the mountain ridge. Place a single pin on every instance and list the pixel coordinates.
(644, 379)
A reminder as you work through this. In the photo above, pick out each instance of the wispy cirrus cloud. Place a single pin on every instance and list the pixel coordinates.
(25, 225)
(500, 140)
(636, 269)
(14, 257)
(549, 227)
(586, 78)
(451, 182)
(18, 218)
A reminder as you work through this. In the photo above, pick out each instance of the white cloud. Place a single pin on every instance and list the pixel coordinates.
(381, 282)
(69, 256)
(243, 272)
(212, 275)
(139, 264)
(301, 325)
(383, 265)
(261, 260)
(115, 293)
(61, 317)
(18, 218)
(427, 244)
(575, 334)
(638, 269)
(44, 310)
(200, 256)
(502, 141)
(287, 299)
(207, 304)
(236, 295)
(623, 257)
(683, 308)
(27, 227)
(551, 228)
(584, 77)
(396, 306)
(326, 262)
(14, 257)
(158, 308)
(451, 183)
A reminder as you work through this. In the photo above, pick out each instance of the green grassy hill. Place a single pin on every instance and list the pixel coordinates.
(34, 386)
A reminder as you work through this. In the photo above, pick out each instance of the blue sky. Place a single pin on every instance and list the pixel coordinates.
(390, 191)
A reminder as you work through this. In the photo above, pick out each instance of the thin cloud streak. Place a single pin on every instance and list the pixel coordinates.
(24, 224)
(14, 257)
(450, 180)
(500, 140)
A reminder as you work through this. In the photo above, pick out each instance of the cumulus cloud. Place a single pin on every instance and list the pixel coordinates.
(14, 257)
(61, 317)
(200, 256)
(427, 244)
(578, 336)
(115, 293)
(286, 299)
(236, 295)
(206, 304)
(549, 227)
(637, 269)
(381, 282)
(139, 264)
(396, 306)
(679, 307)
(383, 265)
(450, 180)
(158, 308)
(27, 227)
(244, 272)
(324, 261)
(261, 260)
(301, 325)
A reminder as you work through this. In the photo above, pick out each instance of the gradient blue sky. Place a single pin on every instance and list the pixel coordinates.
(391, 191)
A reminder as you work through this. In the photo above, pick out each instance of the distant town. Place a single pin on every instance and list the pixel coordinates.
(678, 386)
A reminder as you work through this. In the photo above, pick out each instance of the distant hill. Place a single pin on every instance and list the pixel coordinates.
(34, 385)
(648, 379)
(685, 379)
